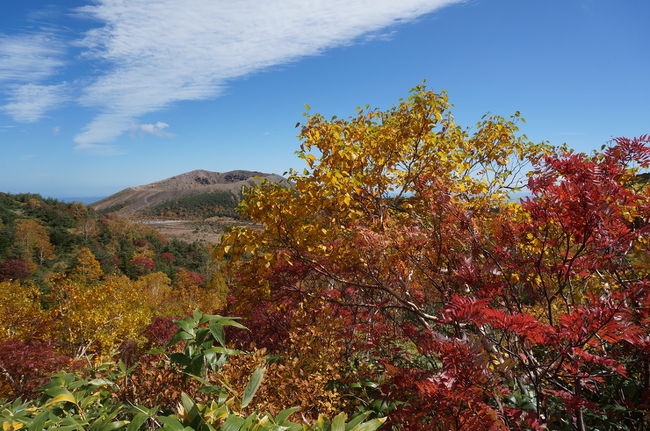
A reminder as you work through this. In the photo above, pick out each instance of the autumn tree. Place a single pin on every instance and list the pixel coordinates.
(21, 315)
(14, 269)
(87, 267)
(33, 240)
(97, 313)
(484, 313)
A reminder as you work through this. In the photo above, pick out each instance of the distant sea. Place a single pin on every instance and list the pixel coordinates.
(86, 200)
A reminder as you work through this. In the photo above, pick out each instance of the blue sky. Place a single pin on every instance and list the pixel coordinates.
(99, 95)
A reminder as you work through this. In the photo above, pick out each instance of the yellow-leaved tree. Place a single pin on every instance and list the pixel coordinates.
(376, 173)
(96, 313)
(33, 240)
(21, 315)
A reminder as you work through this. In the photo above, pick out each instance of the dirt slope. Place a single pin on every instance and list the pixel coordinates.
(134, 201)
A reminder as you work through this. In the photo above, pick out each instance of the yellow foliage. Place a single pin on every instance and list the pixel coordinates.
(187, 295)
(33, 239)
(314, 357)
(156, 287)
(21, 315)
(99, 315)
(371, 173)
(87, 268)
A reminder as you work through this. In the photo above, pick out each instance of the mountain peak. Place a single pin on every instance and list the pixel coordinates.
(137, 200)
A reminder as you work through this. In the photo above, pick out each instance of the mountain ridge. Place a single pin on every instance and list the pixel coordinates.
(221, 190)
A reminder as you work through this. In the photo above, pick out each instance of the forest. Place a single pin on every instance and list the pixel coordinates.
(201, 206)
(417, 275)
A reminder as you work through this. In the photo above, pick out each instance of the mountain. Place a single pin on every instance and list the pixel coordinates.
(195, 194)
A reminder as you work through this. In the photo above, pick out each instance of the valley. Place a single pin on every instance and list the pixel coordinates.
(194, 206)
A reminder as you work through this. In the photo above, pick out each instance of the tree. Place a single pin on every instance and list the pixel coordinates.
(97, 314)
(21, 315)
(87, 268)
(14, 269)
(33, 240)
(402, 222)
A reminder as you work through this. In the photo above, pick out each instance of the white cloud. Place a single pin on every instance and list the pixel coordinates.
(30, 102)
(156, 129)
(56, 130)
(28, 58)
(100, 149)
(166, 51)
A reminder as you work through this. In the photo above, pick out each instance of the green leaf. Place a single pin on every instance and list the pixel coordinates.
(233, 423)
(371, 425)
(114, 425)
(356, 420)
(189, 406)
(284, 414)
(137, 421)
(224, 351)
(252, 386)
(171, 423)
(186, 325)
(338, 423)
(218, 333)
(180, 358)
(100, 382)
(180, 336)
(229, 321)
(39, 421)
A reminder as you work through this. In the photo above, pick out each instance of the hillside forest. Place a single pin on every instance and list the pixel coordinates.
(416, 275)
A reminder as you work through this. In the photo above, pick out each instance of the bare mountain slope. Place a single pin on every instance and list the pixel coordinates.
(195, 186)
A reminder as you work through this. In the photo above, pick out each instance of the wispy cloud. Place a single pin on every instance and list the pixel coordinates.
(167, 51)
(156, 129)
(29, 58)
(26, 61)
(30, 102)
(101, 149)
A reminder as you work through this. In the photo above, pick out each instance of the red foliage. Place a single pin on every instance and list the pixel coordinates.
(193, 277)
(160, 330)
(167, 257)
(26, 365)
(140, 242)
(143, 265)
(551, 292)
(14, 269)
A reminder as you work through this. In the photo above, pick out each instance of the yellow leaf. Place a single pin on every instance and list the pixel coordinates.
(61, 398)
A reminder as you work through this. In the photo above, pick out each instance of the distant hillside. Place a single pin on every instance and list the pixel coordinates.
(195, 194)
(42, 236)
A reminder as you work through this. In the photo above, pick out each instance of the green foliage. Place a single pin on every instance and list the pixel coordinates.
(72, 226)
(222, 204)
(89, 400)
(113, 208)
(205, 345)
